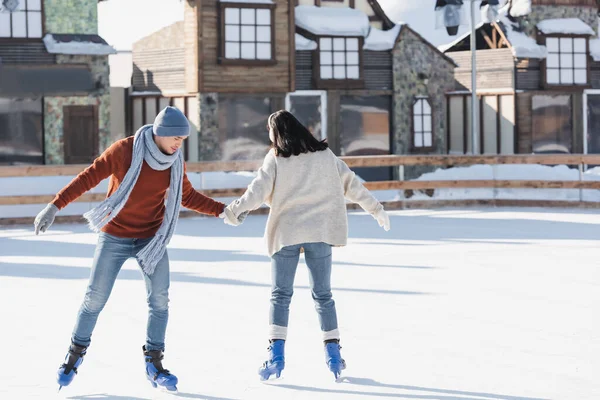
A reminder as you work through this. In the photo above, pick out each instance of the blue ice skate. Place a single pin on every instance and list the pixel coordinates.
(334, 359)
(276, 362)
(156, 374)
(68, 369)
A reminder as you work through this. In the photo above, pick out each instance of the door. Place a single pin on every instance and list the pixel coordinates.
(80, 134)
(310, 108)
(591, 122)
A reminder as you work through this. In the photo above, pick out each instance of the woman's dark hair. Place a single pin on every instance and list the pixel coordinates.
(291, 137)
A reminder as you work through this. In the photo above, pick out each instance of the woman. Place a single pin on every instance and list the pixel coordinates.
(305, 185)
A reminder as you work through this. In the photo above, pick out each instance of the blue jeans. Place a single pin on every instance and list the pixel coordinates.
(283, 271)
(111, 254)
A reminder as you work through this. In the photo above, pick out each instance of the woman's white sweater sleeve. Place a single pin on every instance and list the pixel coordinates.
(260, 189)
(355, 191)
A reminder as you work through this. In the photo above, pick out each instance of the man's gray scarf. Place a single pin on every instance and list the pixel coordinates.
(144, 149)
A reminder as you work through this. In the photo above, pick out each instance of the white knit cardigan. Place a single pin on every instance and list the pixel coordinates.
(306, 194)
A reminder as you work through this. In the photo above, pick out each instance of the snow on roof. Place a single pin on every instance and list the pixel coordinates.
(522, 45)
(338, 21)
(573, 26)
(520, 8)
(445, 47)
(77, 44)
(303, 43)
(595, 49)
(382, 40)
(247, 1)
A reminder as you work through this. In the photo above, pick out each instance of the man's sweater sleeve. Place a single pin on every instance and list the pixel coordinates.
(103, 167)
(198, 202)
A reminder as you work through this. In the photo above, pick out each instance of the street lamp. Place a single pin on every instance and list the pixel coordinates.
(449, 15)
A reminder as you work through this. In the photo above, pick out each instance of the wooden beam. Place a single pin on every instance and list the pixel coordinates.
(488, 40)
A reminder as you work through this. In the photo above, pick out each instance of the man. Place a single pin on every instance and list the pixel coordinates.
(134, 221)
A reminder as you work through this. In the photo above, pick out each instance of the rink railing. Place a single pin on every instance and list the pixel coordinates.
(579, 161)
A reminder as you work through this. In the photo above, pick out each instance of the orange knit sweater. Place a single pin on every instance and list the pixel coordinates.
(143, 213)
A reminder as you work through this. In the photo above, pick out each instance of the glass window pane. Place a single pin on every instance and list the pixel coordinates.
(263, 51)
(263, 17)
(338, 44)
(552, 61)
(418, 108)
(242, 131)
(19, 24)
(232, 50)
(552, 124)
(21, 138)
(566, 76)
(4, 25)
(248, 34)
(325, 44)
(566, 45)
(326, 72)
(418, 140)
(581, 76)
(427, 123)
(552, 45)
(339, 72)
(34, 24)
(579, 45)
(566, 60)
(352, 44)
(418, 123)
(307, 109)
(365, 130)
(248, 16)
(35, 5)
(339, 58)
(580, 60)
(232, 15)
(352, 58)
(353, 72)
(263, 34)
(232, 33)
(248, 51)
(426, 107)
(427, 139)
(326, 58)
(552, 76)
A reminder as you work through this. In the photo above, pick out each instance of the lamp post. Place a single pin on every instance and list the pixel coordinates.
(474, 110)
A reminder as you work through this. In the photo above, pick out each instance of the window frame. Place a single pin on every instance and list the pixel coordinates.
(333, 83)
(421, 149)
(26, 38)
(568, 86)
(221, 59)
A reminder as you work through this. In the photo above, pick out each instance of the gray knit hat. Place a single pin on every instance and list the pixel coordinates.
(171, 122)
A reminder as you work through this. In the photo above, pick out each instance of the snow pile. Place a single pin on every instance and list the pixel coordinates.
(511, 172)
(335, 21)
(520, 8)
(522, 45)
(77, 47)
(573, 26)
(595, 49)
(303, 43)
(379, 40)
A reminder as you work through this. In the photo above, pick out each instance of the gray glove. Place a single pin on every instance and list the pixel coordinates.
(45, 218)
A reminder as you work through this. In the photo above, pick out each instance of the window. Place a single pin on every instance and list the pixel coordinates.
(422, 126)
(365, 130)
(248, 34)
(21, 131)
(243, 131)
(24, 22)
(566, 63)
(339, 58)
(552, 124)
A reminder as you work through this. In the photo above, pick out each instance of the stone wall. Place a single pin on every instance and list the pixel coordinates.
(71, 16)
(208, 132)
(419, 70)
(540, 13)
(53, 107)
